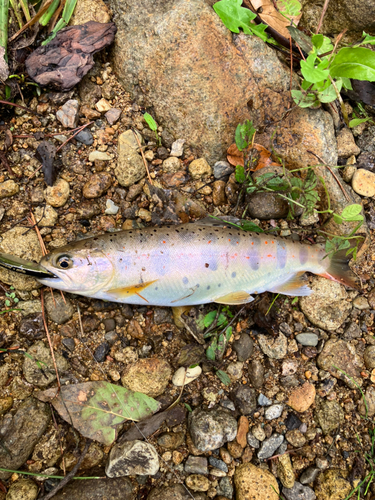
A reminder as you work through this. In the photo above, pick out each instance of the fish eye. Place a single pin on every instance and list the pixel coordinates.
(64, 262)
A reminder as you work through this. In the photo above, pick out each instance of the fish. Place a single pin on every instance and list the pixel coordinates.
(188, 264)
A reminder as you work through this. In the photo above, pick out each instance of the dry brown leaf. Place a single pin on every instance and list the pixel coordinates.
(236, 157)
(269, 15)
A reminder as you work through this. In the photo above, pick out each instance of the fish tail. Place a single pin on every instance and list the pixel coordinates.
(339, 270)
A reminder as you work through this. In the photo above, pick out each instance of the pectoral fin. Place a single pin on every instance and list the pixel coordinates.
(235, 298)
(127, 291)
(295, 285)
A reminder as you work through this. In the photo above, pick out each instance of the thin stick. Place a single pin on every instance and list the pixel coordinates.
(291, 64)
(334, 175)
(4, 161)
(325, 7)
(71, 474)
(35, 226)
(143, 157)
(75, 133)
(18, 106)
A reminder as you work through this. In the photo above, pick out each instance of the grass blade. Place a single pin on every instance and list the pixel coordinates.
(45, 19)
(17, 12)
(63, 22)
(4, 12)
(25, 8)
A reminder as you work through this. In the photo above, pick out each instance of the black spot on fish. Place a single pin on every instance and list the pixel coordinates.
(254, 257)
(185, 280)
(156, 288)
(234, 275)
(281, 255)
(207, 265)
(208, 287)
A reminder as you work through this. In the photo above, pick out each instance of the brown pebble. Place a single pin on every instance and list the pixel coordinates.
(235, 449)
(302, 397)
(242, 430)
(97, 185)
(134, 330)
(247, 455)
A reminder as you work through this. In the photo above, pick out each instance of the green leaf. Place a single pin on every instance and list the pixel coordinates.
(221, 320)
(303, 40)
(289, 7)
(346, 83)
(338, 219)
(209, 318)
(358, 63)
(240, 174)
(211, 350)
(96, 409)
(368, 39)
(228, 333)
(259, 31)
(311, 73)
(325, 44)
(224, 377)
(329, 94)
(251, 227)
(352, 211)
(317, 41)
(302, 100)
(234, 16)
(188, 407)
(357, 121)
(244, 134)
(294, 301)
(150, 121)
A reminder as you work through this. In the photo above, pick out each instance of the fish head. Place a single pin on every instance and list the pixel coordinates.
(78, 269)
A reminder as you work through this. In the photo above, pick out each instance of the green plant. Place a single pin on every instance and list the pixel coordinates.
(12, 299)
(63, 22)
(357, 120)
(153, 126)
(324, 71)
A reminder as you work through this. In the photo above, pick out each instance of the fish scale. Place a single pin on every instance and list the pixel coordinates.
(188, 265)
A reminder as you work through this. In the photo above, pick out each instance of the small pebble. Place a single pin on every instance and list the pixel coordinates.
(269, 446)
(101, 352)
(68, 114)
(178, 147)
(8, 188)
(102, 106)
(199, 169)
(69, 343)
(112, 115)
(185, 376)
(252, 441)
(361, 303)
(307, 339)
(363, 182)
(111, 208)
(219, 464)
(196, 465)
(99, 156)
(273, 412)
(222, 169)
(85, 137)
(263, 400)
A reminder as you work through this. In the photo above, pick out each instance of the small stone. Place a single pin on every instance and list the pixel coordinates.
(99, 156)
(178, 147)
(330, 485)
(218, 193)
(273, 412)
(309, 220)
(289, 367)
(218, 464)
(353, 331)
(298, 492)
(111, 208)
(361, 303)
(130, 167)
(346, 145)
(295, 438)
(6, 404)
(196, 465)
(245, 399)
(85, 137)
(263, 400)
(33, 374)
(269, 446)
(255, 483)
(252, 441)
(243, 347)
(228, 404)
(309, 475)
(222, 169)
(8, 188)
(101, 352)
(307, 339)
(363, 182)
(341, 355)
(285, 471)
(348, 172)
(369, 357)
(329, 414)
(274, 348)
(171, 165)
(69, 344)
(292, 421)
(234, 371)
(112, 115)
(199, 169)
(242, 430)
(23, 489)
(235, 449)
(58, 194)
(68, 114)
(32, 327)
(197, 482)
(129, 458)
(302, 397)
(97, 185)
(256, 373)
(225, 488)
(171, 440)
(149, 376)
(210, 429)
(258, 432)
(59, 309)
(46, 216)
(102, 105)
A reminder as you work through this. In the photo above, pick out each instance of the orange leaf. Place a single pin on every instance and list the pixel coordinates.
(235, 156)
(270, 15)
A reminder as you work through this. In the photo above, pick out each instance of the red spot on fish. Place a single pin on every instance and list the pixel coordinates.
(266, 242)
(209, 242)
(269, 255)
(252, 243)
(228, 240)
(164, 241)
(272, 242)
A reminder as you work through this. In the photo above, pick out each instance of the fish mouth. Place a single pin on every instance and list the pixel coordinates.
(26, 267)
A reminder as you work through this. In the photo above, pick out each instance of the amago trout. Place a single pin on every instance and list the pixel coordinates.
(188, 265)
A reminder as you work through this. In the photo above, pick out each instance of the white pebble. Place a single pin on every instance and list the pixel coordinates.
(111, 209)
(191, 374)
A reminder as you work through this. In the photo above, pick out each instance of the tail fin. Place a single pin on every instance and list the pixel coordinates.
(340, 271)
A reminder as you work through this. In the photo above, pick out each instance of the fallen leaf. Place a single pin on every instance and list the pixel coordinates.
(236, 157)
(145, 428)
(66, 59)
(45, 153)
(270, 15)
(96, 409)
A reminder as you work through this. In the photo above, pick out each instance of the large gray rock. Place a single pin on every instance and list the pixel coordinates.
(179, 58)
(19, 434)
(97, 489)
(128, 458)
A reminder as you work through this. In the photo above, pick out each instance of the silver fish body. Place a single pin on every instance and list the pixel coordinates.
(186, 265)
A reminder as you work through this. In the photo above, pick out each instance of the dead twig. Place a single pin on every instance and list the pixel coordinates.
(324, 10)
(71, 137)
(143, 157)
(71, 474)
(18, 106)
(333, 174)
(4, 161)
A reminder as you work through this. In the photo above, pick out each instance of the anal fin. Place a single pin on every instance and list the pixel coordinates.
(295, 285)
(235, 298)
(127, 291)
